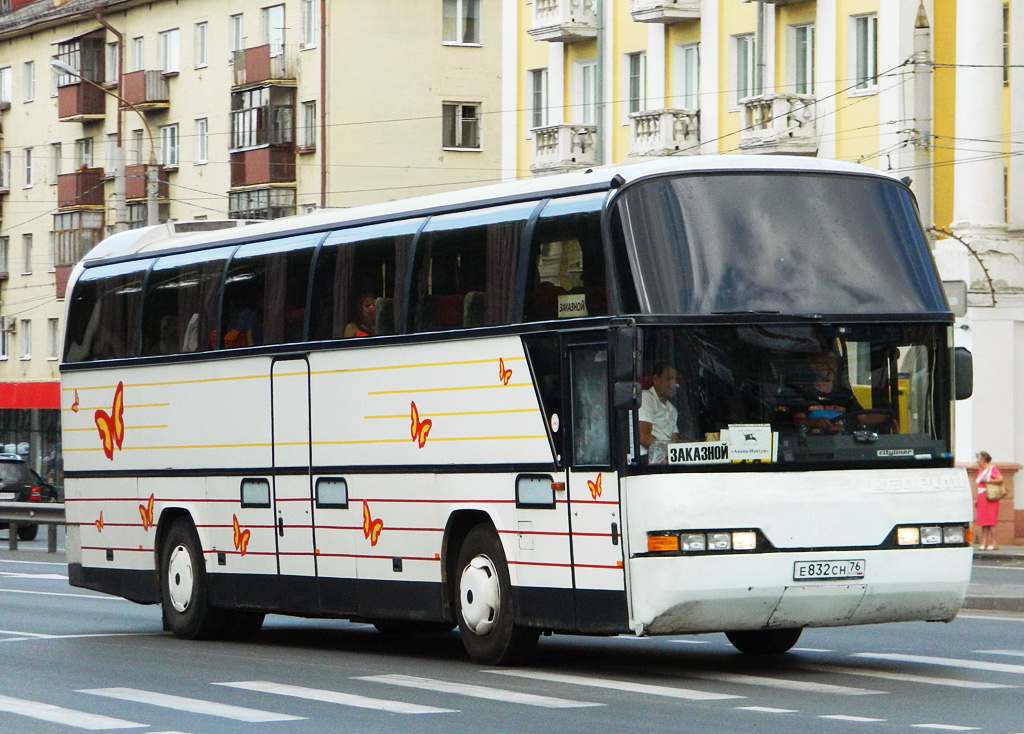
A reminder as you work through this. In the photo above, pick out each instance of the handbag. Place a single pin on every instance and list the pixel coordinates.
(995, 492)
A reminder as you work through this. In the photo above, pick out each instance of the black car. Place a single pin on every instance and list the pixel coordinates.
(19, 483)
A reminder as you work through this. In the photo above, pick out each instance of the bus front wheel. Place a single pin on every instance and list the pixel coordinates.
(186, 607)
(483, 605)
(764, 642)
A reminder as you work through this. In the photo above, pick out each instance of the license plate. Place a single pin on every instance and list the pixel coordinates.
(8, 495)
(815, 570)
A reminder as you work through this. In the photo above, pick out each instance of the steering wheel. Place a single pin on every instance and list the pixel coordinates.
(886, 420)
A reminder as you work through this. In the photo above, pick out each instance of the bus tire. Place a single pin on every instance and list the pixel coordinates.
(484, 607)
(764, 642)
(28, 532)
(186, 607)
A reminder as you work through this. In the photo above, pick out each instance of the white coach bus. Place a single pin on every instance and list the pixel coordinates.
(484, 453)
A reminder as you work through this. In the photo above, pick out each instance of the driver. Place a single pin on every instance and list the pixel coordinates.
(822, 402)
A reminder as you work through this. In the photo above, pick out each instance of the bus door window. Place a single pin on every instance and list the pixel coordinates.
(545, 358)
(354, 264)
(179, 312)
(566, 272)
(103, 318)
(465, 271)
(590, 434)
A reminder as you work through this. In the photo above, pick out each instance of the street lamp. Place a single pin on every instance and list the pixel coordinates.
(152, 179)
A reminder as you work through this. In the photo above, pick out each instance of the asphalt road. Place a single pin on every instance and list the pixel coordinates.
(73, 660)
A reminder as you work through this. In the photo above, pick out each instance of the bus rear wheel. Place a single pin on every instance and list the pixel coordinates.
(764, 642)
(186, 607)
(483, 602)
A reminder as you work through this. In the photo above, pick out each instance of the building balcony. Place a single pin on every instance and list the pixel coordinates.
(258, 65)
(81, 102)
(664, 11)
(83, 188)
(563, 21)
(780, 2)
(656, 133)
(135, 184)
(272, 164)
(146, 90)
(561, 148)
(779, 123)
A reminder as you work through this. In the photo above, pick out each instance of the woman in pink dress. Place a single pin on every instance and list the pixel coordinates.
(986, 512)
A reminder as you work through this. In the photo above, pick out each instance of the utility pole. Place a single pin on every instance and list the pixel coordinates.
(599, 85)
(922, 134)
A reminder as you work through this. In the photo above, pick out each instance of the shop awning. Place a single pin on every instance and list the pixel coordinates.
(25, 395)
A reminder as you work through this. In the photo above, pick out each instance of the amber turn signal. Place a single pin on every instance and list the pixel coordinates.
(662, 543)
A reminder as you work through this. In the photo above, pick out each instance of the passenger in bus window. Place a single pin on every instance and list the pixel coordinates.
(658, 417)
(364, 318)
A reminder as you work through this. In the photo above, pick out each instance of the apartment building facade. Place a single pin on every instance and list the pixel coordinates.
(119, 113)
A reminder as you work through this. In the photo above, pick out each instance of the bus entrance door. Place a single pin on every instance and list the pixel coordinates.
(293, 497)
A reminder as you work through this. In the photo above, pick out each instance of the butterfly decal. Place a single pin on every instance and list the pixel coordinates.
(99, 522)
(147, 514)
(503, 374)
(371, 527)
(111, 427)
(420, 428)
(74, 405)
(241, 537)
(595, 487)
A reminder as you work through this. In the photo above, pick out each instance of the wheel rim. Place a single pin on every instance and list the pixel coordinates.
(480, 594)
(180, 578)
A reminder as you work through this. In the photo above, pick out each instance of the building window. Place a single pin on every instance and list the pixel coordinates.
(262, 116)
(4, 345)
(112, 65)
(5, 86)
(170, 51)
(261, 203)
(169, 146)
(135, 148)
(460, 22)
(688, 76)
(539, 97)
(236, 31)
(584, 92)
(74, 234)
(202, 141)
(26, 338)
(307, 131)
(273, 29)
(5, 171)
(636, 81)
(310, 23)
(461, 125)
(1006, 45)
(29, 180)
(83, 153)
(865, 36)
(202, 45)
(138, 60)
(26, 244)
(744, 59)
(56, 162)
(803, 59)
(53, 330)
(5, 253)
(29, 80)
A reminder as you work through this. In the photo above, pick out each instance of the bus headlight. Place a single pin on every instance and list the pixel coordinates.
(931, 535)
(694, 542)
(908, 536)
(719, 541)
(744, 540)
(953, 535)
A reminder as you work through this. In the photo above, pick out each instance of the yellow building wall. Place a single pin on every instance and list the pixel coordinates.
(630, 37)
(679, 34)
(857, 131)
(785, 16)
(734, 19)
(943, 109)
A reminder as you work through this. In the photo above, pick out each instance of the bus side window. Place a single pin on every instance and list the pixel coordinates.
(179, 312)
(356, 263)
(103, 321)
(465, 269)
(546, 364)
(566, 276)
(590, 431)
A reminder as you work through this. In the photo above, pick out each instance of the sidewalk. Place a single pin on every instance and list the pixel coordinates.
(997, 597)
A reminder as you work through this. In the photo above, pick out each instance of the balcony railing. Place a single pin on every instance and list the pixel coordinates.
(561, 148)
(81, 102)
(82, 188)
(664, 132)
(272, 164)
(779, 123)
(664, 11)
(258, 65)
(146, 90)
(564, 21)
(135, 183)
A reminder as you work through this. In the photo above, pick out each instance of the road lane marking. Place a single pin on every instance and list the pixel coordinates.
(336, 697)
(191, 705)
(467, 689)
(945, 727)
(905, 677)
(41, 636)
(946, 662)
(68, 717)
(57, 593)
(843, 717)
(1011, 653)
(766, 710)
(46, 576)
(684, 642)
(784, 683)
(617, 685)
(35, 563)
(990, 617)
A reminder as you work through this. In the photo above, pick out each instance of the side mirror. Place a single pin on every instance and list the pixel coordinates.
(626, 395)
(625, 353)
(963, 373)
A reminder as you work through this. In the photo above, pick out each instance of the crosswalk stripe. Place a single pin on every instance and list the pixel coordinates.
(1010, 653)
(466, 689)
(191, 705)
(844, 717)
(336, 697)
(945, 727)
(946, 662)
(784, 683)
(69, 717)
(766, 710)
(617, 685)
(906, 677)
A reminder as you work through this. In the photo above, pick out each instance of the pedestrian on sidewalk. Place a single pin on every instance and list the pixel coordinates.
(987, 510)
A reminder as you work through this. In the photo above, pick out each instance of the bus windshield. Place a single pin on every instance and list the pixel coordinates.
(796, 393)
(790, 243)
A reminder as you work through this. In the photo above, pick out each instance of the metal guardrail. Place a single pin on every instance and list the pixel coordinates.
(50, 514)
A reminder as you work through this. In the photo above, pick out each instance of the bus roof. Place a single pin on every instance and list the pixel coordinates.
(200, 234)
